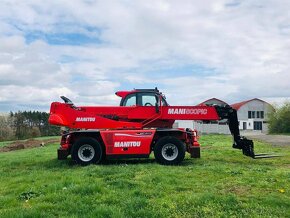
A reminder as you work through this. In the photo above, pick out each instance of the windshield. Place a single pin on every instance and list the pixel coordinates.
(142, 99)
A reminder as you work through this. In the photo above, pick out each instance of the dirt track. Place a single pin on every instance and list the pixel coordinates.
(272, 139)
(30, 143)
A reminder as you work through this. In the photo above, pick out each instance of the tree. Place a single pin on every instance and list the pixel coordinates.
(279, 119)
(6, 131)
(20, 126)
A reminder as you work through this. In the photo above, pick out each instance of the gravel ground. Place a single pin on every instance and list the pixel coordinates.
(272, 139)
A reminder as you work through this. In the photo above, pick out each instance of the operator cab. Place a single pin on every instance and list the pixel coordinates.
(142, 97)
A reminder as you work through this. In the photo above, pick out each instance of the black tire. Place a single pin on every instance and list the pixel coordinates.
(87, 151)
(169, 151)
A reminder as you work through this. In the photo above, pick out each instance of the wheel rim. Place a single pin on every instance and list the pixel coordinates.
(86, 153)
(169, 152)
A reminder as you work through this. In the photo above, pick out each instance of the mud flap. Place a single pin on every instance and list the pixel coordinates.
(62, 154)
(194, 152)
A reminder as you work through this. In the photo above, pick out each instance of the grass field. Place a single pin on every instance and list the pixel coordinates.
(223, 183)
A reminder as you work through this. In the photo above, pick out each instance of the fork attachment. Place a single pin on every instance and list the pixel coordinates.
(240, 142)
(247, 146)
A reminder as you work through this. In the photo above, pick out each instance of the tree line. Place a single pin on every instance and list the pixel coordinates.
(279, 119)
(26, 124)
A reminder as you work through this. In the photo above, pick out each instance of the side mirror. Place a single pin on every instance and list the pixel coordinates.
(66, 100)
(69, 102)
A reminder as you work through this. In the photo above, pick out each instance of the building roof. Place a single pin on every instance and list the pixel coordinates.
(238, 105)
(215, 99)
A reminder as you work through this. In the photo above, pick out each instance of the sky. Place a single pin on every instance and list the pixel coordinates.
(191, 50)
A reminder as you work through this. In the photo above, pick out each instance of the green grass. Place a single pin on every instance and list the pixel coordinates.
(223, 183)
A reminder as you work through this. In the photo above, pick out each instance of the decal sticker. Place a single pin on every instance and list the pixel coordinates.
(187, 111)
(127, 144)
(85, 119)
(130, 135)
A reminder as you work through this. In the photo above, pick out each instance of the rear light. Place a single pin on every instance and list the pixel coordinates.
(65, 139)
(65, 142)
(194, 135)
(65, 146)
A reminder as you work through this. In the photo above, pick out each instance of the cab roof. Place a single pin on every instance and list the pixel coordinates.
(123, 94)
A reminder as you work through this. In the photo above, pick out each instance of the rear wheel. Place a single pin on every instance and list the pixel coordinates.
(169, 151)
(86, 151)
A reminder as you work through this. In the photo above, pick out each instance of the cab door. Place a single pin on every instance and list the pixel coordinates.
(147, 99)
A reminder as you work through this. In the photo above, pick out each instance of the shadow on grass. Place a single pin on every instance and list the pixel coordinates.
(69, 163)
(128, 161)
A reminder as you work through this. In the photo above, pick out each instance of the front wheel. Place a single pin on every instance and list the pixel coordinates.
(169, 151)
(86, 151)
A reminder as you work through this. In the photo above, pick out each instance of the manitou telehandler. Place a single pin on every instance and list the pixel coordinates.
(141, 124)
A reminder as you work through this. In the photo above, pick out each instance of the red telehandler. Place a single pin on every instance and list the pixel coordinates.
(141, 124)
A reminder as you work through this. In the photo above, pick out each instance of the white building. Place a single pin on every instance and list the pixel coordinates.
(213, 101)
(252, 115)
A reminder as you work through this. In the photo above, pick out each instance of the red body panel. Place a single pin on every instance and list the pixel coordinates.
(119, 117)
(90, 117)
(127, 141)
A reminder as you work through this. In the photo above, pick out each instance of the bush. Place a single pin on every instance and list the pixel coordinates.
(6, 131)
(35, 132)
(279, 119)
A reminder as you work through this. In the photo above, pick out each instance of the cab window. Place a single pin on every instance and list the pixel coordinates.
(147, 99)
(130, 100)
(142, 99)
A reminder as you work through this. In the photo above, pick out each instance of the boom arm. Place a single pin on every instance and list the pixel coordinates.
(240, 142)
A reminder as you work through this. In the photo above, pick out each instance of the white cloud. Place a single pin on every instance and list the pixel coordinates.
(247, 43)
